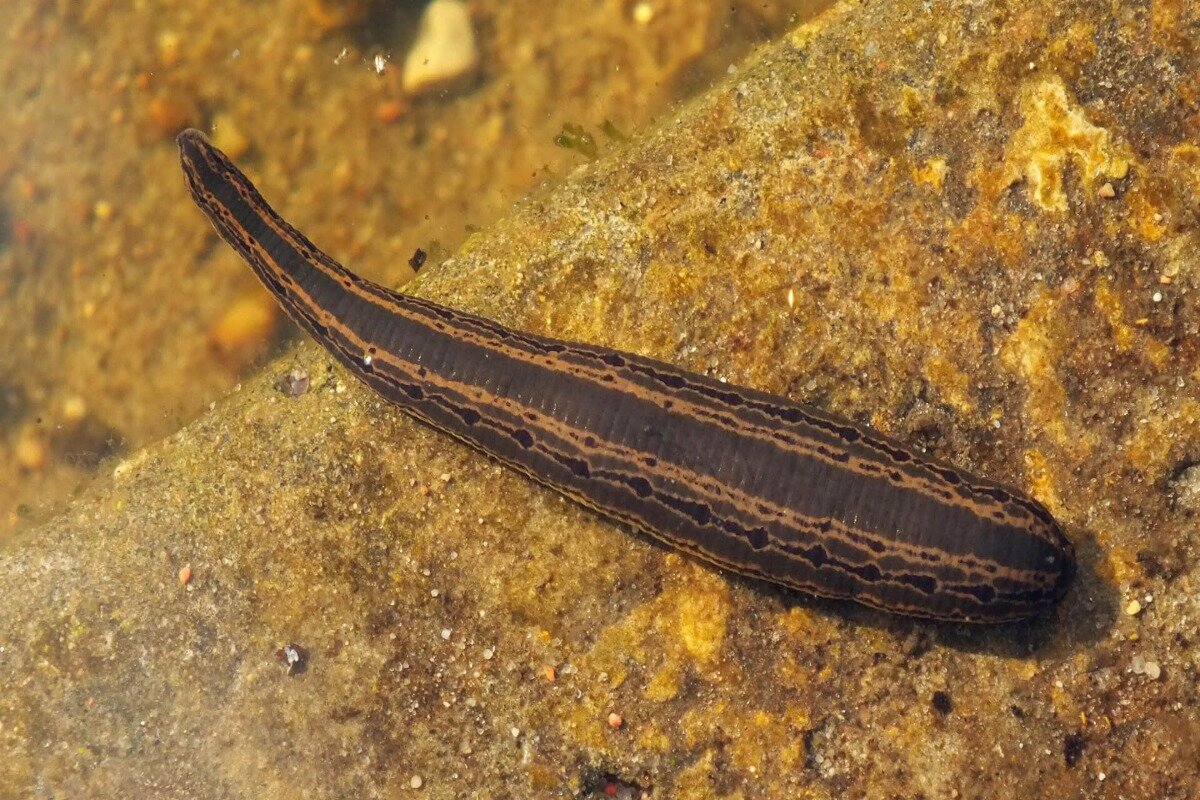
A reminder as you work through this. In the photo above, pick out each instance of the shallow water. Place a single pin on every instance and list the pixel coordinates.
(123, 320)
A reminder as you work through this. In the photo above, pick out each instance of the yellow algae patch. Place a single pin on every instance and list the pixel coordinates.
(696, 782)
(654, 739)
(1032, 351)
(1022, 669)
(1124, 335)
(950, 382)
(1147, 215)
(1158, 436)
(702, 616)
(664, 685)
(1057, 132)
(1121, 566)
(685, 624)
(770, 742)
(1109, 304)
(1040, 480)
(932, 173)
(1185, 161)
(699, 723)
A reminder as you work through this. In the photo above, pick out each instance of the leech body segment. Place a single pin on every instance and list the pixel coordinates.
(752, 482)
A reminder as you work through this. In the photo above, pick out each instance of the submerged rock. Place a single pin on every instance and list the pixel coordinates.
(896, 213)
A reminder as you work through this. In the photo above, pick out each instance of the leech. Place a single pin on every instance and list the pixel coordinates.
(751, 482)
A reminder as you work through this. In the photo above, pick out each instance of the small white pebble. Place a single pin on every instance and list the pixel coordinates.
(1138, 665)
(444, 52)
(488, 653)
(434, 592)
(1153, 670)
(1100, 776)
(516, 732)
(1157, 297)
(74, 408)
(416, 782)
(445, 633)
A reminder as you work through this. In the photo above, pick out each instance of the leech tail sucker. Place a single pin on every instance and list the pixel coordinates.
(749, 481)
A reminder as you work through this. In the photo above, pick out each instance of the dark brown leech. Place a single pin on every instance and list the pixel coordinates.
(749, 481)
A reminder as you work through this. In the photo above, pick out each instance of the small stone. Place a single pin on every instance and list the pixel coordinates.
(416, 782)
(241, 332)
(444, 54)
(1134, 608)
(168, 48)
(1107, 191)
(227, 136)
(418, 259)
(488, 653)
(1137, 665)
(390, 110)
(294, 383)
(1153, 670)
(31, 451)
(446, 633)
(74, 408)
(167, 117)
(293, 657)
(615, 721)
(185, 575)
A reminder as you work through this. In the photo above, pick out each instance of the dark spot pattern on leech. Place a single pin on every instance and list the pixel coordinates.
(468, 415)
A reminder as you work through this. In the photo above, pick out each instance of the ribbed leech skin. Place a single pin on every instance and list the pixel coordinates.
(752, 482)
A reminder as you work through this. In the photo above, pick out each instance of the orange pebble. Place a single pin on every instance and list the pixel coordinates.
(167, 117)
(615, 721)
(390, 111)
(185, 575)
(241, 332)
